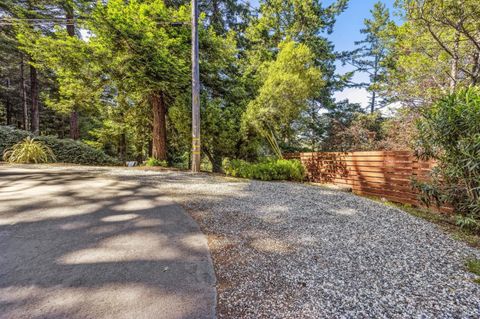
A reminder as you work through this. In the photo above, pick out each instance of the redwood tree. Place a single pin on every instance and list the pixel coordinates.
(145, 53)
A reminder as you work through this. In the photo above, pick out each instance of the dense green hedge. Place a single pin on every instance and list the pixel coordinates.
(269, 170)
(449, 133)
(65, 150)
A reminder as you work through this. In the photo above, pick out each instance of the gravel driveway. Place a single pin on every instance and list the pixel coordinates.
(287, 250)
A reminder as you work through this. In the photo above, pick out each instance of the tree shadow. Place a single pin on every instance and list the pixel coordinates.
(292, 245)
(287, 245)
(325, 167)
(77, 246)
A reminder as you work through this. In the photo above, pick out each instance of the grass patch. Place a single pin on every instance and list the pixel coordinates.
(473, 265)
(446, 222)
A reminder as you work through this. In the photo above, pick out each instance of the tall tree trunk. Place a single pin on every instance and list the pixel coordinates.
(159, 131)
(61, 128)
(454, 65)
(8, 106)
(74, 128)
(215, 160)
(122, 146)
(35, 128)
(374, 93)
(372, 103)
(24, 94)
(150, 148)
(475, 68)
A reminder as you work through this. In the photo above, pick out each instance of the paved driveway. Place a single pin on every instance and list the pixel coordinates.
(78, 246)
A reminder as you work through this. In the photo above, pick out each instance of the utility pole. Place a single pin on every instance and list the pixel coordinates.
(195, 92)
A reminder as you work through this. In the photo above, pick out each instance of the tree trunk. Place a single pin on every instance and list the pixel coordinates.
(122, 146)
(372, 105)
(454, 65)
(74, 130)
(24, 95)
(475, 68)
(150, 147)
(70, 25)
(375, 75)
(215, 160)
(35, 128)
(7, 104)
(61, 128)
(159, 131)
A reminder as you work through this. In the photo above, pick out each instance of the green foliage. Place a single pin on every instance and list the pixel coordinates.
(279, 169)
(223, 101)
(145, 55)
(151, 161)
(473, 265)
(467, 222)
(434, 51)
(132, 53)
(363, 133)
(70, 59)
(449, 132)
(288, 84)
(29, 151)
(64, 150)
(290, 26)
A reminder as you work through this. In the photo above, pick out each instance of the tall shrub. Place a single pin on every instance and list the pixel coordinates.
(449, 132)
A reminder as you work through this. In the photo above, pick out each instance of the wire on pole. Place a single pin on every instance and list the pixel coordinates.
(64, 21)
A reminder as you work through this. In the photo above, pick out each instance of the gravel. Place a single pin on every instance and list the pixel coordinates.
(288, 250)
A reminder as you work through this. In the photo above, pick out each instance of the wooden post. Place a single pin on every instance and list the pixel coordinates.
(74, 129)
(195, 92)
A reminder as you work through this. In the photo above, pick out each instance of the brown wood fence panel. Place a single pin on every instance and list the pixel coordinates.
(387, 174)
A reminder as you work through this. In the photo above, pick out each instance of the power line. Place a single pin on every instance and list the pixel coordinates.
(64, 21)
(38, 21)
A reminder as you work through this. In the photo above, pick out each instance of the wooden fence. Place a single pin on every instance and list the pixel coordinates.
(386, 174)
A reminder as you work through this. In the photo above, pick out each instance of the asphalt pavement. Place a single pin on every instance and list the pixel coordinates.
(77, 245)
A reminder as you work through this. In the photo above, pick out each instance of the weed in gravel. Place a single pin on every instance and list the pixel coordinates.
(473, 265)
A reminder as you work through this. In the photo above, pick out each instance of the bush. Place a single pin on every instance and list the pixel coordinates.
(449, 132)
(28, 151)
(65, 150)
(151, 161)
(280, 169)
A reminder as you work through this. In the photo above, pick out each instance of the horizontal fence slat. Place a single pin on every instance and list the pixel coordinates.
(360, 153)
(366, 162)
(387, 174)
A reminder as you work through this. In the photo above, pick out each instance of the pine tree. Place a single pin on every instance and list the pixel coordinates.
(304, 22)
(370, 56)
